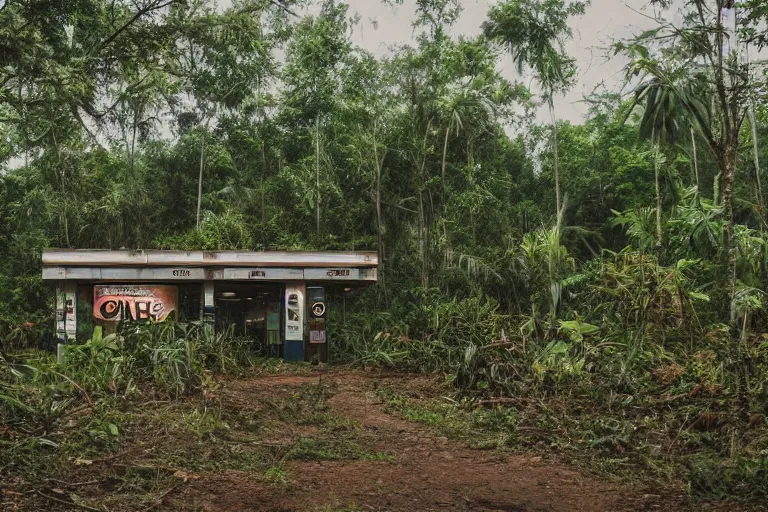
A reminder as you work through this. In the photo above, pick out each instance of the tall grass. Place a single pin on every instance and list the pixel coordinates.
(433, 339)
(175, 359)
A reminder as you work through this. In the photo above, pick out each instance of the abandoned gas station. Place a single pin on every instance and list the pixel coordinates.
(277, 299)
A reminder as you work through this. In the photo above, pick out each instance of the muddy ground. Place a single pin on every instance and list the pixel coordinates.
(319, 441)
(425, 472)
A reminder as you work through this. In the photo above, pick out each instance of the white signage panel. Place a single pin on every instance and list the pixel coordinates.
(294, 312)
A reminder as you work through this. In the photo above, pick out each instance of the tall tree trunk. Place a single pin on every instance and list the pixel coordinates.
(263, 194)
(200, 179)
(133, 144)
(556, 162)
(317, 169)
(264, 210)
(729, 151)
(758, 180)
(422, 241)
(445, 157)
(695, 158)
(421, 163)
(25, 128)
(658, 192)
(728, 166)
(428, 239)
(379, 242)
(756, 157)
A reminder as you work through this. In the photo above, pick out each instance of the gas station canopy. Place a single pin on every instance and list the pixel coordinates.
(157, 265)
(276, 299)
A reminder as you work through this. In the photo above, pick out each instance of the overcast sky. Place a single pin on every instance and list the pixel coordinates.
(604, 21)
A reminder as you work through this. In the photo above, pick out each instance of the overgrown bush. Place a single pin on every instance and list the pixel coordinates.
(628, 365)
(424, 331)
(740, 477)
(176, 359)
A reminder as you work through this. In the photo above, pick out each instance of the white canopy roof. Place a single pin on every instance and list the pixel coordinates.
(157, 258)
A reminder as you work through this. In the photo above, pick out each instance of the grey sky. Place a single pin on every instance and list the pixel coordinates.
(605, 20)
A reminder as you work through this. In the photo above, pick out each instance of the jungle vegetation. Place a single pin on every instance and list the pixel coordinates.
(612, 271)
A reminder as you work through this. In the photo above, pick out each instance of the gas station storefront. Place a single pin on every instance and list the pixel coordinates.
(279, 300)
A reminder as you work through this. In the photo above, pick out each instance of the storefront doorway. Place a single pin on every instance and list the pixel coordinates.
(251, 311)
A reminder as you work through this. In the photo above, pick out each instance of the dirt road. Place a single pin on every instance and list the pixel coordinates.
(312, 440)
(409, 468)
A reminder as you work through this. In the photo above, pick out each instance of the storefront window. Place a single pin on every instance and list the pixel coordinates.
(252, 312)
(189, 302)
(85, 321)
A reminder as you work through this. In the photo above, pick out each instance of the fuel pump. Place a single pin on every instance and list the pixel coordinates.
(318, 345)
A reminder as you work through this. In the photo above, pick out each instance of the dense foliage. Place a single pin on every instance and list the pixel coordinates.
(620, 262)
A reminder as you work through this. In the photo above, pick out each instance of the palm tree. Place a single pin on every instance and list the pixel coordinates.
(468, 107)
(700, 68)
(535, 32)
(661, 122)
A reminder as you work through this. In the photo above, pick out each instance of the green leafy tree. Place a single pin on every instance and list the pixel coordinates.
(708, 79)
(315, 55)
(535, 33)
